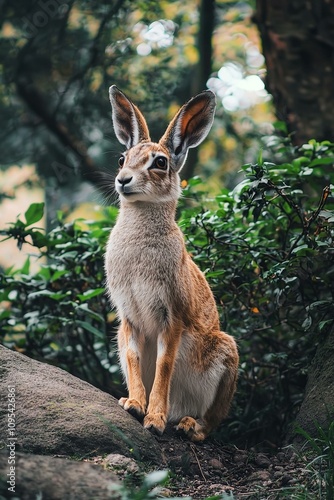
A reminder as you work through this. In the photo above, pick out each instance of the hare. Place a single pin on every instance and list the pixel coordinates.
(177, 364)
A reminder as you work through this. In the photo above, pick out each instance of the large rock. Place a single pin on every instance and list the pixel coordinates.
(37, 476)
(57, 413)
(317, 408)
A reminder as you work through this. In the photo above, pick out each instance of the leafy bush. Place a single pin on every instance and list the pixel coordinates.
(266, 249)
(61, 313)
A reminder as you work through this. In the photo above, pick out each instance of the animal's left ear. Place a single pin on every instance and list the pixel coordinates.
(189, 127)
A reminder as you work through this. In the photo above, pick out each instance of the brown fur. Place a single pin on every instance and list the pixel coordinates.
(177, 363)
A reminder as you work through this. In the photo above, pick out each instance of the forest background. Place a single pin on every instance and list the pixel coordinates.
(257, 209)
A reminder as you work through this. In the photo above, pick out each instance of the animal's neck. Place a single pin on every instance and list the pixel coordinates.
(157, 216)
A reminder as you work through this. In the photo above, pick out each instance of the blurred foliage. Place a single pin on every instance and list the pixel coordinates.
(266, 248)
(59, 58)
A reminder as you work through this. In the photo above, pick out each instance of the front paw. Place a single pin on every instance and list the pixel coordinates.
(134, 407)
(155, 422)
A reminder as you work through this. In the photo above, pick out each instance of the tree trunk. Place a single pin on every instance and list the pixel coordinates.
(318, 404)
(298, 46)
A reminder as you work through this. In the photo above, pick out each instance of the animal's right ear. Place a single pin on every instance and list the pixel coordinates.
(129, 124)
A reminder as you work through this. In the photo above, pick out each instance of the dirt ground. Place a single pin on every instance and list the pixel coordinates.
(211, 469)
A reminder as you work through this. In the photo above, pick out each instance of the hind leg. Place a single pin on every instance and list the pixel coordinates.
(199, 429)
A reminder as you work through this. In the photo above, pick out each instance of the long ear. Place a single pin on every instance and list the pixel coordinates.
(189, 127)
(129, 124)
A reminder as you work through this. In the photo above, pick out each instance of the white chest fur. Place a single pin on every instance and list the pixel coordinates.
(142, 264)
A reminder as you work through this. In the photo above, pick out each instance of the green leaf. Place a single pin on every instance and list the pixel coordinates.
(34, 213)
(5, 313)
(324, 323)
(307, 323)
(320, 304)
(329, 160)
(19, 224)
(300, 161)
(90, 328)
(301, 248)
(39, 239)
(84, 307)
(60, 216)
(58, 274)
(214, 274)
(281, 126)
(45, 272)
(156, 477)
(306, 171)
(194, 181)
(90, 294)
(54, 346)
(26, 267)
(69, 255)
(47, 293)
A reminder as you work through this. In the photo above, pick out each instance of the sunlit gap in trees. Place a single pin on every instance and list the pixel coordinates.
(236, 89)
(159, 34)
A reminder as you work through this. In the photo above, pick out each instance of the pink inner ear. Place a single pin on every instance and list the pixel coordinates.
(122, 101)
(193, 117)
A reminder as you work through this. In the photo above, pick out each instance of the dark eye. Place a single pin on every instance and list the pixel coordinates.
(160, 162)
(121, 161)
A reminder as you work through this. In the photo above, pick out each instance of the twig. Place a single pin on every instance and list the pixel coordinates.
(325, 193)
(308, 221)
(192, 447)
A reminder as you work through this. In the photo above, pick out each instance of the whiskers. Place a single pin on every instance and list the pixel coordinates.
(105, 183)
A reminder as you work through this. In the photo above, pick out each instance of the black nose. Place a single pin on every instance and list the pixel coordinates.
(125, 180)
